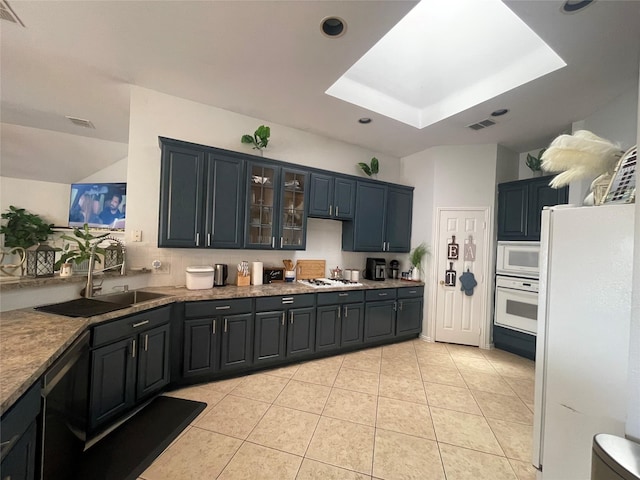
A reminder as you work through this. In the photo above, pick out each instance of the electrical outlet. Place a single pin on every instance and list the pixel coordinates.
(137, 235)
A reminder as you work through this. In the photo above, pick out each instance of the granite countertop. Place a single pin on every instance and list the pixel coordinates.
(30, 341)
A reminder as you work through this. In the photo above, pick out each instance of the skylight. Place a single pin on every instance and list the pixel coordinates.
(444, 57)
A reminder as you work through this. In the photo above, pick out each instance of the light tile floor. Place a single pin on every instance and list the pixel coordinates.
(412, 410)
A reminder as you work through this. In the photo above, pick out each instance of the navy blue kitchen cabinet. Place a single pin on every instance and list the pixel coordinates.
(520, 205)
(339, 321)
(332, 196)
(202, 333)
(237, 342)
(380, 315)
(129, 363)
(409, 310)
(520, 343)
(19, 437)
(201, 197)
(398, 219)
(382, 221)
(284, 327)
(276, 207)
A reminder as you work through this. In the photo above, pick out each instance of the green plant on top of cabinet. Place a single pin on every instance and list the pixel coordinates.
(382, 220)
(201, 197)
(332, 197)
(276, 207)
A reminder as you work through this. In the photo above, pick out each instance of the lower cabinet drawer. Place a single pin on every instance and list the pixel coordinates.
(411, 292)
(336, 298)
(380, 294)
(124, 327)
(206, 308)
(265, 304)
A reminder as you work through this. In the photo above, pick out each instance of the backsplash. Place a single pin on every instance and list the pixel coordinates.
(324, 242)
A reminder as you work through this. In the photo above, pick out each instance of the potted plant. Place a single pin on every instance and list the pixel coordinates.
(416, 256)
(535, 163)
(372, 169)
(23, 230)
(81, 251)
(259, 139)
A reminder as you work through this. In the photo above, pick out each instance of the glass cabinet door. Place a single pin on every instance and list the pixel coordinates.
(292, 210)
(261, 201)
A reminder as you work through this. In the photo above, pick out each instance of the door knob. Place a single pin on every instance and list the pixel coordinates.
(441, 282)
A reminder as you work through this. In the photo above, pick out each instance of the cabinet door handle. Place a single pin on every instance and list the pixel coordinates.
(223, 307)
(336, 210)
(291, 317)
(330, 209)
(283, 318)
(346, 311)
(139, 324)
(395, 306)
(133, 348)
(281, 241)
(401, 305)
(197, 239)
(146, 343)
(225, 325)
(339, 309)
(413, 291)
(208, 239)
(213, 327)
(382, 294)
(343, 294)
(273, 242)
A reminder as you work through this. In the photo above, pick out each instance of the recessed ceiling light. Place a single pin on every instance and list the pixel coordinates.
(364, 120)
(572, 6)
(499, 112)
(333, 27)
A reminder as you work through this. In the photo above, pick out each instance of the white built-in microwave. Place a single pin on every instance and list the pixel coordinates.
(518, 259)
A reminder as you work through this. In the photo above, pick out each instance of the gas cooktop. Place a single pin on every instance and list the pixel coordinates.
(327, 282)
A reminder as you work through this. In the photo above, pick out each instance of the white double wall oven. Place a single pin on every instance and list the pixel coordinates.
(517, 272)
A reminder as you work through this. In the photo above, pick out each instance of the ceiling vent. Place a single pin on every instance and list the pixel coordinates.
(483, 124)
(81, 122)
(7, 13)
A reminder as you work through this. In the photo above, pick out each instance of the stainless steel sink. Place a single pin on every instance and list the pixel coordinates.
(129, 298)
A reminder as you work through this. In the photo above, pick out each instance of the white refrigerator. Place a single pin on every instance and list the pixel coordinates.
(582, 350)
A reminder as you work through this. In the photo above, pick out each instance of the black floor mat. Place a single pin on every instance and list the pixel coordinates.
(129, 450)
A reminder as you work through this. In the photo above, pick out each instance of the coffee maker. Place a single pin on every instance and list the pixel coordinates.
(394, 269)
(375, 269)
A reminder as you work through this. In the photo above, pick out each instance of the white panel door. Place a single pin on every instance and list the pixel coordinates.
(459, 317)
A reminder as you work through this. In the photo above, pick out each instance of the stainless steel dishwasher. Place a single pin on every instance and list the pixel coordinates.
(65, 388)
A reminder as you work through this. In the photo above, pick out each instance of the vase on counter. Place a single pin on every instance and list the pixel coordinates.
(415, 274)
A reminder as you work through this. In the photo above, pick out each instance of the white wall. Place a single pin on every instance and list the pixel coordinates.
(116, 172)
(47, 199)
(155, 114)
(451, 176)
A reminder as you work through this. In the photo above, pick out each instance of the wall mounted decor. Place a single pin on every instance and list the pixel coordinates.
(452, 249)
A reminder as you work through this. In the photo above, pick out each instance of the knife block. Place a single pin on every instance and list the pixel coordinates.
(243, 281)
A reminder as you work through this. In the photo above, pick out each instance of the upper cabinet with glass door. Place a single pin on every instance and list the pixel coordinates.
(294, 204)
(276, 203)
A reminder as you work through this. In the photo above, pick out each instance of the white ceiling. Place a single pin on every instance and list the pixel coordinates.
(268, 59)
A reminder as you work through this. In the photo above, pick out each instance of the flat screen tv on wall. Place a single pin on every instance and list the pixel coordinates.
(101, 205)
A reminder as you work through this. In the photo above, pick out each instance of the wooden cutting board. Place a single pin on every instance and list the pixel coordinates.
(306, 269)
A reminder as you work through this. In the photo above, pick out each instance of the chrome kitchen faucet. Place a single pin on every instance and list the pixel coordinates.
(90, 289)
